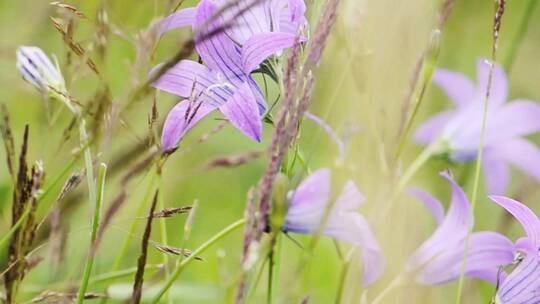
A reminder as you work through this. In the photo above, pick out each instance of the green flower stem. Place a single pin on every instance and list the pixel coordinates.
(120, 274)
(95, 226)
(226, 231)
(396, 282)
(164, 239)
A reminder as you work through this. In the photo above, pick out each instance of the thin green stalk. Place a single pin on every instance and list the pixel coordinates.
(14, 228)
(88, 162)
(134, 224)
(342, 279)
(164, 239)
(95, 225)
(253, 287)
(396, 282)
(226, 231)
(270, 276)
(429, 63)
(520, 34)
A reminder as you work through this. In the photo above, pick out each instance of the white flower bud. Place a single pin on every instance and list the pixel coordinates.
(37, 69)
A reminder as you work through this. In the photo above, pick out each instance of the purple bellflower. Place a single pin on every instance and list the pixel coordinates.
(224, 81)
(458, 130)
(522, 285)
(307, 209)
(440, 258)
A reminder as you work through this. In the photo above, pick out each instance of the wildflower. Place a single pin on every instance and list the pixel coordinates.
(522, 285)
(459, 129)
(308, 205)
(247, 18)
(440, 258)
(37, 69)
(223, 83)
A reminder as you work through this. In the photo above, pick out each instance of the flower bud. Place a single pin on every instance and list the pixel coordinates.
(37, 69)
(279, 202)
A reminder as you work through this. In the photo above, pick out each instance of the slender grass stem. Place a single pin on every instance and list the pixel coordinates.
(146, 197)
(95, 225)
(270, 276)
(16, 226)
(253, 289)
(88, 162)
(226, 231)
(164, 239)
(395, 283)
(343, 278)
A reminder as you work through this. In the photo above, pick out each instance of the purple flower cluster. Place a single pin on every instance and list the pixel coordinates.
(231, 47)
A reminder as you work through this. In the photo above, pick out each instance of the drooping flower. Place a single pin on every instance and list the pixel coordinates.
(522, 285)
(37, 69)
(307, 209)
(459, 129)
(224, 81)
(440, 258)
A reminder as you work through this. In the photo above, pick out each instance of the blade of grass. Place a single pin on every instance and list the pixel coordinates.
(220, 235)
(95, 225)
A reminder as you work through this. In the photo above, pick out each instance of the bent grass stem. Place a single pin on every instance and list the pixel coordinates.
(220, 235)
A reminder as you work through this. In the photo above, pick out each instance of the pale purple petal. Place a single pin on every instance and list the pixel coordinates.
(350, 197)
(432, 129)
(525, 244)
(499, 84)
(523, 284)
(515, 119)
(182, 18)
(450, 233)
(308, 203)
(216, 49)
(486, 253)
(178, 122)
(432, 204)
(459, 88)
(524, 215)
(496, 172)
(521, 153)
(242, 111)
(247, 18)
(189, 78)
(314, 190)
(353, 228)
(261, 46)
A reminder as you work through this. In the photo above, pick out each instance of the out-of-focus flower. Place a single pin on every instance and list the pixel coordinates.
(308, 206)
(523, 284)
(440, 258)
(458, 130)
(244, 19)
(223, 82)
(37, 69)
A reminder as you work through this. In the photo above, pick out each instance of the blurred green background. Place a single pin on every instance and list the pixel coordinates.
(361, 84)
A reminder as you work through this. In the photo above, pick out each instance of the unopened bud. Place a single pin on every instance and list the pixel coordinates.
(37, 69)
(279, 202)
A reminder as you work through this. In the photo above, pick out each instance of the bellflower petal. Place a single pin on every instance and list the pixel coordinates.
(499, 85)
(432, 129)
(189, 78)
(486, 253)
(308, 205)
(523, 284)
(242, 112)
(217, 51)
(515, 119)
(459, 88)
(180, 119)
(259, 47)
(182, 18)
(522, 213)
(432, 204)
(497, 173)
(523, 154)
(450, 232)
